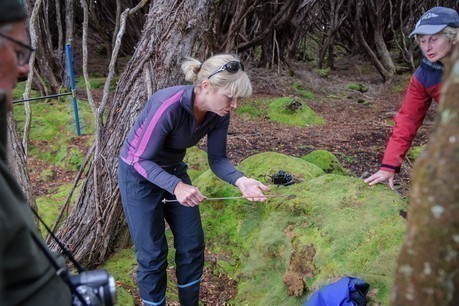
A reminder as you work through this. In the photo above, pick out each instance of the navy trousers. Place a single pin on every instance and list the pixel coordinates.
(145, 214)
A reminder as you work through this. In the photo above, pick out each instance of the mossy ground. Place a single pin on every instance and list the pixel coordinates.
(326, 161)
(354, 229)
(261, 242)
(49, 206)
(53, 127)
(278, 110)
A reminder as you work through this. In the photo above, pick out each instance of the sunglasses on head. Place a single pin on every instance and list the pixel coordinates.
(231, 67)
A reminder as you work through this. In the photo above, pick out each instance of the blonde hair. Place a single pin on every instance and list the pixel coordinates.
(238, 84)
(449, 32)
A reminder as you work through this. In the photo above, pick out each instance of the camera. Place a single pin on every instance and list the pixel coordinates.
(95, 288)
(282, 178)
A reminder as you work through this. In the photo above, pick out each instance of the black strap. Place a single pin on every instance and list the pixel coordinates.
(60, 271)
(63, 248)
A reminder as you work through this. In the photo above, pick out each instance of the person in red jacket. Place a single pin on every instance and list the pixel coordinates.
(436, 33)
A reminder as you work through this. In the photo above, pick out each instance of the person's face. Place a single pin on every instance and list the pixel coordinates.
(9, 68)
(435, 47)
(219, 101)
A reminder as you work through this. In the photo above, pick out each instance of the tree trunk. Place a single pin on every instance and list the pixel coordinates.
(375, 18)
(48, 65)
(362, 36)
(17, 164)
(69, 21)
(33, 40)
(337, 14)
(93, 231)
(428, 267)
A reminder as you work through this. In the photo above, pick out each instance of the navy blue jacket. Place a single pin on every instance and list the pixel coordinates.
(164, 130)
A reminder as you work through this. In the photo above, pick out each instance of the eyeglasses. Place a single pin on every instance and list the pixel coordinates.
(24, 54)
(231, 67)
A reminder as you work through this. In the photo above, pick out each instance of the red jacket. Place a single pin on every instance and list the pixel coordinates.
(424, 86)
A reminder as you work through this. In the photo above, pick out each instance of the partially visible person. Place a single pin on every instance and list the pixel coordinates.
(151, 169)
(26, 274)
(436, 33)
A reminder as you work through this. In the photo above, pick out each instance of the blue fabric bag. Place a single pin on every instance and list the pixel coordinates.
(348, 291)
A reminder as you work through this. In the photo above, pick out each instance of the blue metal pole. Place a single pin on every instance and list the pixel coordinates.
(72, 86)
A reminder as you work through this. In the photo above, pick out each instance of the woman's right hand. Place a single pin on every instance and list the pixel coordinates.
(381, 176)
(188, 195)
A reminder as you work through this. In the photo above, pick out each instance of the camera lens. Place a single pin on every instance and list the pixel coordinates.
(110, 295)
(96, 288)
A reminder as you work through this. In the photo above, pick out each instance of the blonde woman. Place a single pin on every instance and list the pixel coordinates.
(151, 169)
(436, 34)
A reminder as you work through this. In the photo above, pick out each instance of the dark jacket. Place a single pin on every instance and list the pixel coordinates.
(165, 128)
(26, 275)
(423, 88)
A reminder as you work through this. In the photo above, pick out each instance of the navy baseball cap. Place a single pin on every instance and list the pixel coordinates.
(435, 20)
(12, 10)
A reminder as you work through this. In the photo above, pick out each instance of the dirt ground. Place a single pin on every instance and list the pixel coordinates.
(357, 128)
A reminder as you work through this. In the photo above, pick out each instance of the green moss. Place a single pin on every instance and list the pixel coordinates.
(303, 116)
(47, 175)
(253, 108)
(357, 87)
(278, 110)
(323, 73)
(414, 152)
(123, 266)
(326, 161)
(355, 229)
(52, 131)
(266, 263)
(18, 91)
(303, 92)
(96, 81)
(262, 165)
(54, 117)
(196, 159)
(49, 205)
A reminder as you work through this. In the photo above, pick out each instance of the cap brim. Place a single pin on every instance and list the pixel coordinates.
(428, 29)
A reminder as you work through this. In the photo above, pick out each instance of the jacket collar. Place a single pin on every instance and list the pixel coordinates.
(187, 99)
(436, 66)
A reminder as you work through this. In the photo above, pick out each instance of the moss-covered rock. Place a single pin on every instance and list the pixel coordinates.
(292, 111)
(304, 116)
(326, 161)
(261, 166)
(324, 227)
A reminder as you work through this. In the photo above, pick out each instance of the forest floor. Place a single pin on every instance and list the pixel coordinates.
(358, 125)
(357, 128)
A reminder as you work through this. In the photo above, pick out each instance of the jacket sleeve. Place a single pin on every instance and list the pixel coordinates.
(407, 122)
(216, 152)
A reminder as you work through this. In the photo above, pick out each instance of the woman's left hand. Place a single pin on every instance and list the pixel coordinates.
(252, 189)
